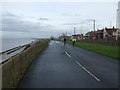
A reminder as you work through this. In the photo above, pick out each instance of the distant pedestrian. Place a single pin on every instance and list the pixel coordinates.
(64, 41)
(73, 40)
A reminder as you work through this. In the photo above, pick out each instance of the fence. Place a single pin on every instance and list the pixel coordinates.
(111, 42)
(14, 68)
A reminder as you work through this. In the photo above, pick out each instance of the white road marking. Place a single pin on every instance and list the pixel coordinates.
(67, 54)
(88, 71)
(84, 68)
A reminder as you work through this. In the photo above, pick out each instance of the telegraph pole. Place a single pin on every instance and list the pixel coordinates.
(94, 25)
(74, 30)
(81, 27)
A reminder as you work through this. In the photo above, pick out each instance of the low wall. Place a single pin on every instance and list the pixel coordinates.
(14, 68)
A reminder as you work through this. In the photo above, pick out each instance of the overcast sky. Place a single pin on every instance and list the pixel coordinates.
(45, 19)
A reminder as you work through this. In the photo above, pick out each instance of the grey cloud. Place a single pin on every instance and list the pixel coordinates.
(19, 26)
(16, 25)
(89, 19)
(77, 14)
(10, 15)
(81, 22)
(43, 19)
(65, 14)
(71, 24)
(69, 14)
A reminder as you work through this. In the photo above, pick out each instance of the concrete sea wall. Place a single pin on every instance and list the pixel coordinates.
(14, 68)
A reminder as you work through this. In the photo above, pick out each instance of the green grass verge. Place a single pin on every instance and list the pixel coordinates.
(110, 51)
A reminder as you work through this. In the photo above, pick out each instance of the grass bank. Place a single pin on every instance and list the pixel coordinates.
(111, 51)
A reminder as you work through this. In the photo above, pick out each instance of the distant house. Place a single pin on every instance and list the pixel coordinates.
(91, 35)
(99, 34)
(87, 35)
(68, 37)
(78, 36)
(106, 33)
(109, 32)
(62, 37)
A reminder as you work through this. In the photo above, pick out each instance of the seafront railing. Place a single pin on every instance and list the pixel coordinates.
(15, 67)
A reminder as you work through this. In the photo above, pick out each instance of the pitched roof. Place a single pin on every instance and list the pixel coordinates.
(99, 31)
(110, 30)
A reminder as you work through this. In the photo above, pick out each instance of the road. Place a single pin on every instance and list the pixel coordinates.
(68, 66)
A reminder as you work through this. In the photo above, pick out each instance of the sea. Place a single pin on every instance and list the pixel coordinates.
(9, 43)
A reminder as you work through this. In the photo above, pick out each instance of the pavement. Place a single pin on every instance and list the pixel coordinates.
(68, 66)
